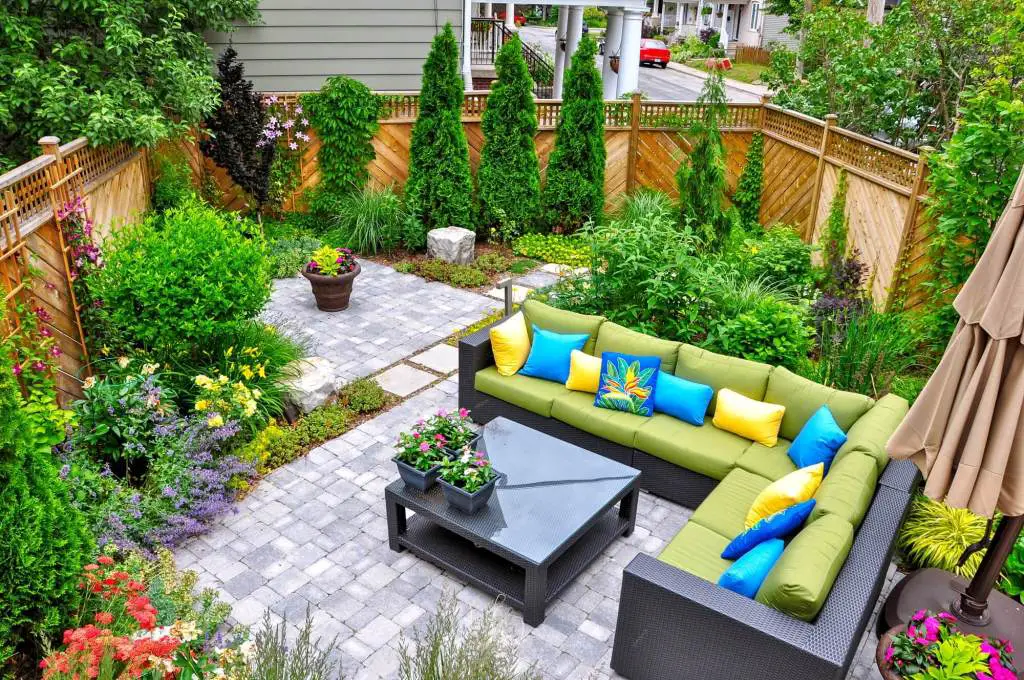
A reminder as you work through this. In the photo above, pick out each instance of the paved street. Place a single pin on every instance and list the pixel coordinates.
(656, 83)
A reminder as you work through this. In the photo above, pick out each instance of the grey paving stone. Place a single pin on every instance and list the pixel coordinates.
(442, 358)
(403, 379)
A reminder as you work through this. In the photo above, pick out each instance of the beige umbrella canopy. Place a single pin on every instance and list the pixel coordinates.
(966, 429)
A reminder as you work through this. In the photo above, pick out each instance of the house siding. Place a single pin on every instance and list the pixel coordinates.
(303, 42)
(772, 28)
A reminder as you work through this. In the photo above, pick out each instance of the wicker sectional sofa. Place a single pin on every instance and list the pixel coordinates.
(674, 621)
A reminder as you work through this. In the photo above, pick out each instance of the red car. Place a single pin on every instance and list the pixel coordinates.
(654, 52)
(519, 18)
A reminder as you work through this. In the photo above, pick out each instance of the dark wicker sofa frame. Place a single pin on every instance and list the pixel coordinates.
(674, 625)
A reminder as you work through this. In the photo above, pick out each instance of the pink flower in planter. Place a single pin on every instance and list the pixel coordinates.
(463, 413)
(890, 650)
(416, 435)
(424, 447)
(931, 630)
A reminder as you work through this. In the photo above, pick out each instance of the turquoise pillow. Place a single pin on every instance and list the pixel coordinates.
(747, 573)
(680, 398)
(818, 440)
(550, 353)
(627, 383)
(782, 523)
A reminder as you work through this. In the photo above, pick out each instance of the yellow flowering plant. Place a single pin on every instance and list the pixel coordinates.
(221, 400)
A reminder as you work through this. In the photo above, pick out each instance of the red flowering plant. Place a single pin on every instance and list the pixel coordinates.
(32, 346)
(933, 647)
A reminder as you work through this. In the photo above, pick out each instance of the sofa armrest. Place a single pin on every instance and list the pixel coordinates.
(901, 475)
(673, 624)
(873, 429)
(474, 354)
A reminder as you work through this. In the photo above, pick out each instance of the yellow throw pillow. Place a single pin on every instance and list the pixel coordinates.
(796, 487)
(751, 419)
(584, 372)
(510, 344)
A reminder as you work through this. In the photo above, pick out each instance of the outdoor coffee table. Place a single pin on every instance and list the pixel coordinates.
(551, 515)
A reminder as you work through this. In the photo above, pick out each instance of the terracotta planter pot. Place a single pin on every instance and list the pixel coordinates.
(883, 644)
(332, 293)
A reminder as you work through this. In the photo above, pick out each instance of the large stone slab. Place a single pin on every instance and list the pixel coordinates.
(451, 244)
(403, 380)
(442, 358)
(313, 385)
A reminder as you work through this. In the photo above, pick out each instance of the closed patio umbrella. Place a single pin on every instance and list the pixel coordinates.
(966, 433)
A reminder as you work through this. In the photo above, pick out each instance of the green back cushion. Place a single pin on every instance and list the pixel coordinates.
(800, 581)
(749, 378)
(847, 489)
(870, 433)
(615, 338)
(802, 397)
(561, 321)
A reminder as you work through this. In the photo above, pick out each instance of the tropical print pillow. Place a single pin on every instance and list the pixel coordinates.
(627, 383)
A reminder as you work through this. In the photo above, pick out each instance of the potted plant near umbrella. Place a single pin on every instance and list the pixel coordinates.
(965, 421)
(468, 481)
(418, 459)
(331, 272)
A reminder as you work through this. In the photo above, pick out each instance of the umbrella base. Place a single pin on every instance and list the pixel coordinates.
(939, 590)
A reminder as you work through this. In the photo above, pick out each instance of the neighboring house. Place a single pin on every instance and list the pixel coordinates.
(746, 23)
(301, 43)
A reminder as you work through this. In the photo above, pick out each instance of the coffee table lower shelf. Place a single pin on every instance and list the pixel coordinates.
(500, 577)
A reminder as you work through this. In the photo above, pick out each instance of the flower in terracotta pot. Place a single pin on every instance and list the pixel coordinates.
(932, 647)
(331, 272)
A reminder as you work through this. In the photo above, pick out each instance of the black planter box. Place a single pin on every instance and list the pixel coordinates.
(468, 503)
(416, 478)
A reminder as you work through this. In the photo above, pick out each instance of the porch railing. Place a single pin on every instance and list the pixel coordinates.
(488, 36)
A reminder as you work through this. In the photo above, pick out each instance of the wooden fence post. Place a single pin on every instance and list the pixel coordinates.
(634, 143)
(909, 222)
(762, 113)
(830, 122)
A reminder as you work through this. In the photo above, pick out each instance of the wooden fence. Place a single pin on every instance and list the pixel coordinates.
(115, 182)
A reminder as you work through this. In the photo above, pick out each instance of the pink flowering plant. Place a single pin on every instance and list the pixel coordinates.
(453, 427)
(328, 261)
(933, 648)
(420, 450)
(289, 129)
(469, 471)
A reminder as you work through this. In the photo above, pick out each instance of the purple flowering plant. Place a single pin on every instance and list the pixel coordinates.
(469, 471)
(419, 449)
(933, 647)
(288, 128)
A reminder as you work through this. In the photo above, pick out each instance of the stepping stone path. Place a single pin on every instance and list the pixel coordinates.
(402, 379)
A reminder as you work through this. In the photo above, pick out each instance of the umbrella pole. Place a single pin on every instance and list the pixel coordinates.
(972, 606)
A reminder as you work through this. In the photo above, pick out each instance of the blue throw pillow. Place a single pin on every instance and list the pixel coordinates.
(781, 524)
(681, 398)
(818, 440)
(550, 352)
(747, 573)
(627, 383)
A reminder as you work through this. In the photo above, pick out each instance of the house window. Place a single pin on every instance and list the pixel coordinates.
(755, 16)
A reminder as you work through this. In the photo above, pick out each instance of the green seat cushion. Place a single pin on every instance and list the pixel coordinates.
(725, 508)
(615, 338)
(870, 434)
(561, 321)
(847, 489)
(697, 550)
(802, 397)
(577, 409)
(705, 449)
(771, 462)
(749, 378)
(800, 581)
(533, 394)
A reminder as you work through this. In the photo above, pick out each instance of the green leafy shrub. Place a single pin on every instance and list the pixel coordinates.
(554, 248)
(492, 263)
(774, 332)
(574, 192)
(747, 197)
(172, 285)
(174, 181)
(509, 172)
(440, 186)
(701, 175)
(522, 266)
(645, 203)
(289, 255)
(277, 445)
(368, 222)
(444, 649)
(44, 539)
(1012, 582)
(778, 256)
(459, 275)
(363, 396)
(345, 114)
(936, 534)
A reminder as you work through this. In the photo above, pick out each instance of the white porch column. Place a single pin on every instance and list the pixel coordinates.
(573, 35)
(700, 15)
(510, 16)
(563, 20)
(488, 10)
(467, 46)
(682, 9)
(723, 30)
(629, 52)
(612, 46)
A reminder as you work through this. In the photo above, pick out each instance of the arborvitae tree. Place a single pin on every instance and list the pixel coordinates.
(236, 141)
(509, 173)
(701, 176)
(440, 187)
(747, 198)
(574, 192)
(43, 540)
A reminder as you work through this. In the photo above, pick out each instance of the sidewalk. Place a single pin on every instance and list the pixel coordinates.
(749, 88)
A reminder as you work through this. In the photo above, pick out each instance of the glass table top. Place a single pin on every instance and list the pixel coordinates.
(549, 489)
